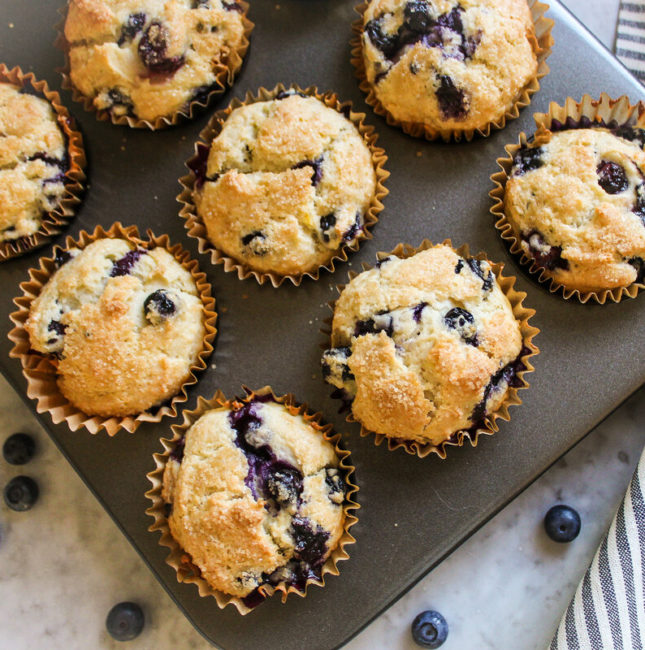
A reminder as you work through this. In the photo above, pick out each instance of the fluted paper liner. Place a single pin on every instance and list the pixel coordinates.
(542, 44)
(52, 222)
(610, 111)
(225, 72)
(196, 227)
(40, 369)
(179, 560)
(529, 349)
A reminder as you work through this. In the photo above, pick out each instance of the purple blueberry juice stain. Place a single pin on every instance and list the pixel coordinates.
(124, 265)
(177, 453)
(199, 164)
(153, 47)
(546, 255)
(316, 166)
(612, 177)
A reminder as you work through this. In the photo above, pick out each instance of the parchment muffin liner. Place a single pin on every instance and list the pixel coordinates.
(179, 560)
(542, 43)
(196, 228)
(489, 427)
(40, 370)
(225, 72)
(605, 110)
(53, 221)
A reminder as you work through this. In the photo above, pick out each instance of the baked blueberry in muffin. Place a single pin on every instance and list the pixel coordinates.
(150, 59)
(575, 199)
(33, 162)
(284, 185)
(125, 325)
(448, 64)
(256, 497)
(424, 347)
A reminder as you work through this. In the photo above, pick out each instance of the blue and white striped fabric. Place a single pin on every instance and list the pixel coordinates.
(630, 37)
(608, 609)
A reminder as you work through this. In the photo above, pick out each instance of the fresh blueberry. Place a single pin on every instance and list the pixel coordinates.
(124, 265)
(527, 159)
(612, 177)
(21, 493)
(131, 28)
(451, 99)
(463, 322)
(429, 629)
(125, 621)
(562, 523)
(550, 257)
(18, 449)
(153, 47)
(158, 306)
(327, 222)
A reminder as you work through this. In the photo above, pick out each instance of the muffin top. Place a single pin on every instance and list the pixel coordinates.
(33, 161)
(576, 202)
(448, 64)
(149, 58)
(125, 323)
(256, 497)
(287, 183)
(423, 347)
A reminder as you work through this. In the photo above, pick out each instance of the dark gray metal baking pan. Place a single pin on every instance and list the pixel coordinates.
(591, 356)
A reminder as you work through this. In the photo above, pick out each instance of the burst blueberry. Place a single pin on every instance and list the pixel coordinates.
(451, 99)
(133, 25)
(612, 177)
(546, 255)
(159, 306)
(527, 159)
(153, 48)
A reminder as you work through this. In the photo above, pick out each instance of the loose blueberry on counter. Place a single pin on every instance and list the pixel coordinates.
(18, 449)
(158, 307)
(429, 629)
(562, 523)
(612, 177)
(125, 621)
(21, 493)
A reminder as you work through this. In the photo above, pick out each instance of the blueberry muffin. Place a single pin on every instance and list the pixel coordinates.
(424, 347)
(149, 59)
(286, 184)
(124, 323)
(449, 65)
(575, 200)
(33, 162)
(256, 497)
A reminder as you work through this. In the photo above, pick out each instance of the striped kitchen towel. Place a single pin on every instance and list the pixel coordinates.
(608, 609)
(630, 37)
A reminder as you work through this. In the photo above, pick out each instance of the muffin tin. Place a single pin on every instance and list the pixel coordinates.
(414, 511)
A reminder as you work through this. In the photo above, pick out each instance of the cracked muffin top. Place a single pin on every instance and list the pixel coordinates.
(149, 58)
(449, 64)
(423, 347)
(125, 323)
(576, 202)
(33, 162)
(286, 184)
(256, 497)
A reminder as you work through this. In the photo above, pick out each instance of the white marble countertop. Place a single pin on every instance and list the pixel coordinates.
(505, 588)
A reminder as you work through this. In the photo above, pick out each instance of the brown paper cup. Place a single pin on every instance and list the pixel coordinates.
(589, 111)
(40, 369)
(529, 349)
(55, 220)
(542, 44)
(225, 71)
(179, 560)
(196, 227)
